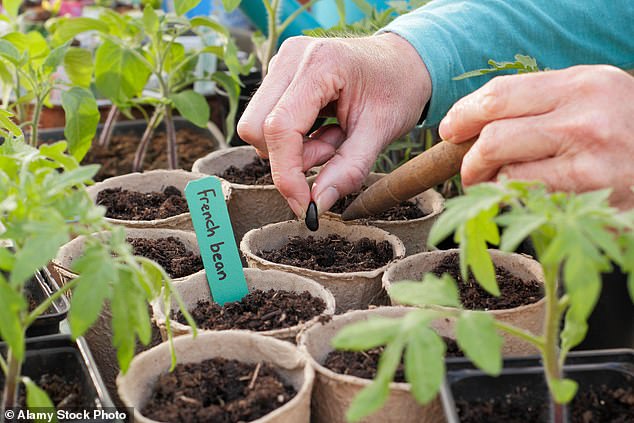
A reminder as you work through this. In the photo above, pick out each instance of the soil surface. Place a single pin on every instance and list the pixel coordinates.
(65, 392)
(132, 205)
(364, 364)
(257, 311)
(117, 158)
(593, 404)
(170, 253)
(332, 254)
(258, 172)
(514, 291)
(405, 210)
(217, 390)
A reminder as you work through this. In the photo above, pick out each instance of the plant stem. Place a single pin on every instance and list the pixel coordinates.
(522, 334)
(108, 127)
(172, 155)
(12, 379)
(272, 38)
(550, 352)
(35, 122)
(139, 156)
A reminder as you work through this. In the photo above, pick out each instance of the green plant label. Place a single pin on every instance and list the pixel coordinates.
(215, 238)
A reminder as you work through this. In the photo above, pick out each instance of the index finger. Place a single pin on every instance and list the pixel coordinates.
(503, 97)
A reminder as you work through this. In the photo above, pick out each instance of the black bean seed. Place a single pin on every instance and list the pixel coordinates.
(312, 219)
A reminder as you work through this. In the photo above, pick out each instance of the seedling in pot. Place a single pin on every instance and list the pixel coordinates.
(28, 71)
(43, 204)
(133, 49)
(576, 236)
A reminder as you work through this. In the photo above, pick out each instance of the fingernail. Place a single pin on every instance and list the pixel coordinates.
(444, 129)
(326, 198)
(297, 208)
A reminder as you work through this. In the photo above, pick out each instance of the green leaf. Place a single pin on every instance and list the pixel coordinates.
(183, 6)
(123, 339)
(54, 59)
(39, 247)
(78, 65)
(431, 291)
(9, 52)
(150, 20)
(119, 74)
(82, 118)
(573, 333)
(517, 229)
(7, 123)
(12, 7)
(425, 363)
(373, 396)
(37, 400)
(12, 304)
(478, 338)
(68, 28)
(32, 43)
(563, 390)
(361, 336)
(233, 91)
(56, 152)
(72, 178)
(208, 22)
(230, 5)
(192, 106)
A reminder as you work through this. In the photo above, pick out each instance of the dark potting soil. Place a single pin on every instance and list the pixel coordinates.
(405, 210)
(332, 254)
(117, 158)
(257, 311)
(217, 390)
(132, 205)
(593, 404)
(258, 172)
(514, 292)
(64, 391)
(364, 364)
(170, 253)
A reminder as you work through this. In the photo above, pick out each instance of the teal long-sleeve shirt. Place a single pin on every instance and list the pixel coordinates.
(455, 36)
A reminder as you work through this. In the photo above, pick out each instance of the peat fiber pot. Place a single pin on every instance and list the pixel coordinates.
(99, 336)
(135, 387)
(352, 290)
(529, 317)
(250, 206)
(413, 232)
(196, 288)
(154, 181)
(334, 392)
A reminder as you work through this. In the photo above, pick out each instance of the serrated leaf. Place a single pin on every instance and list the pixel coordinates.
(192, 106)
(56, 152)
(123, 324)
(38, 249)
(82, 118)
(68, 28)
(12, 305)
(7, 123)
(37, 400)
(373, 396)
(361, 336)
(183, 6)
(563, 390)
(78, 65)
(54, 59)
(517, 229)
(424, 364)
(478, 338)
(431, 291)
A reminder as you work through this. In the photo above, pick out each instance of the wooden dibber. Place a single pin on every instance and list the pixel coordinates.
(430, 168)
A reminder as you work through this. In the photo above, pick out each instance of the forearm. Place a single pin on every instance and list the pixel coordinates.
(455, 36)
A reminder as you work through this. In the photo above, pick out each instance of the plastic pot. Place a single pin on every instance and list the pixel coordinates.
(352, 290)
(135, 387)
(611, 368)
(529, 317)
(40, 287)
(412, 232)
(195, 288)
(334, 392)
(250, 206)
(152, 181)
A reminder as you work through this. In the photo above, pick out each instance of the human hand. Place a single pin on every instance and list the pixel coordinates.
(377, 88)
(573, 129)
